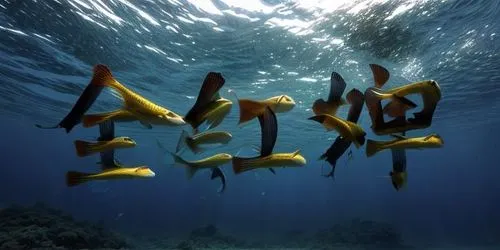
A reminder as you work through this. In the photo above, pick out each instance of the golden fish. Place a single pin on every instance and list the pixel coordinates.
(208, 137)
(141, 108)
(210, 162)
(401, 142)
(249, 109)
(346, 129)
(74, 178)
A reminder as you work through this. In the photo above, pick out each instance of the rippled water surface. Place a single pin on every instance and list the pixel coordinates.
(163, 50)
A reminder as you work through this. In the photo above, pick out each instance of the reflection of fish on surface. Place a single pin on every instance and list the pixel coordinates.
(250, 109)
(82, 105)
(267, 159)
(402, 142)
(335, 100)
(111, 168)
(356, 99)
(193, 142)
(106, 141)
(145, 111)
(209, 105)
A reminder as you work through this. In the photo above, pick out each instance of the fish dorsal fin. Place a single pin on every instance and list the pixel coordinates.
(269, 131)
(380, 75)
(399, 136)
(337, 87)
(107, 130)
(210, 87)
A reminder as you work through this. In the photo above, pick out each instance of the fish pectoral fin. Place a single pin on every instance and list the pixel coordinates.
(380, 75)
(272, 171)
(296, 153)
(146, 125)
(399, 136)
(47, 127)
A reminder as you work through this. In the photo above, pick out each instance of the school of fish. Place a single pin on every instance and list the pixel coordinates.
(211, 108)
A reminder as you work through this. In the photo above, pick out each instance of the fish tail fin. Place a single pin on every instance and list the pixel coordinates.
(103, 77)
(74, 178)
(190, 172)
(83, 148)
(94, 119)
(372, 147)
(239, 165)
(249, 110)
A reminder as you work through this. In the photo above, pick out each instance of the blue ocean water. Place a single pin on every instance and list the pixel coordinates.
(164, 49)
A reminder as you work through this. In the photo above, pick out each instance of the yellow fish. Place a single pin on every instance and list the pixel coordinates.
(346, 129)
(208, 137)
(106, 141)
(147, 112)
(401, 142)
(249, 109)
(335, 100)
(210, 162)
(266, 159)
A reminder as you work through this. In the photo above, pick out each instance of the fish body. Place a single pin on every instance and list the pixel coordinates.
(294, 159)
(208, 137)
(144, 110)
(215, 113)
(86, 148)
(401, 142)
(206, 163)
(346, 129)
(250, 109)
(74, 178)
(119, 115)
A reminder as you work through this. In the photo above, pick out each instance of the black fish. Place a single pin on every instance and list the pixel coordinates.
(82, 105)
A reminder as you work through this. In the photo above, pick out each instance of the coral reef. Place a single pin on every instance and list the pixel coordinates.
(40, 227)
(207, 237)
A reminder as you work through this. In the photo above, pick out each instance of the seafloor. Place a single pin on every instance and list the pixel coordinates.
(41, 227)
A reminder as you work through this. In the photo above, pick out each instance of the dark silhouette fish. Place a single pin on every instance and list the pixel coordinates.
(82, 105)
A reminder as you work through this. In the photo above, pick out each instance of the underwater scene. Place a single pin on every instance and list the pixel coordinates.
(249, 124)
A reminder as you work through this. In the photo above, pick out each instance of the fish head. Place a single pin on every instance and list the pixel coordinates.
(144, 172)
(398, 179)
(171, 118)
(225, 157)
(436, 90)
(435, 139)
(283, 104)
(298, 159)
(125, 141)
